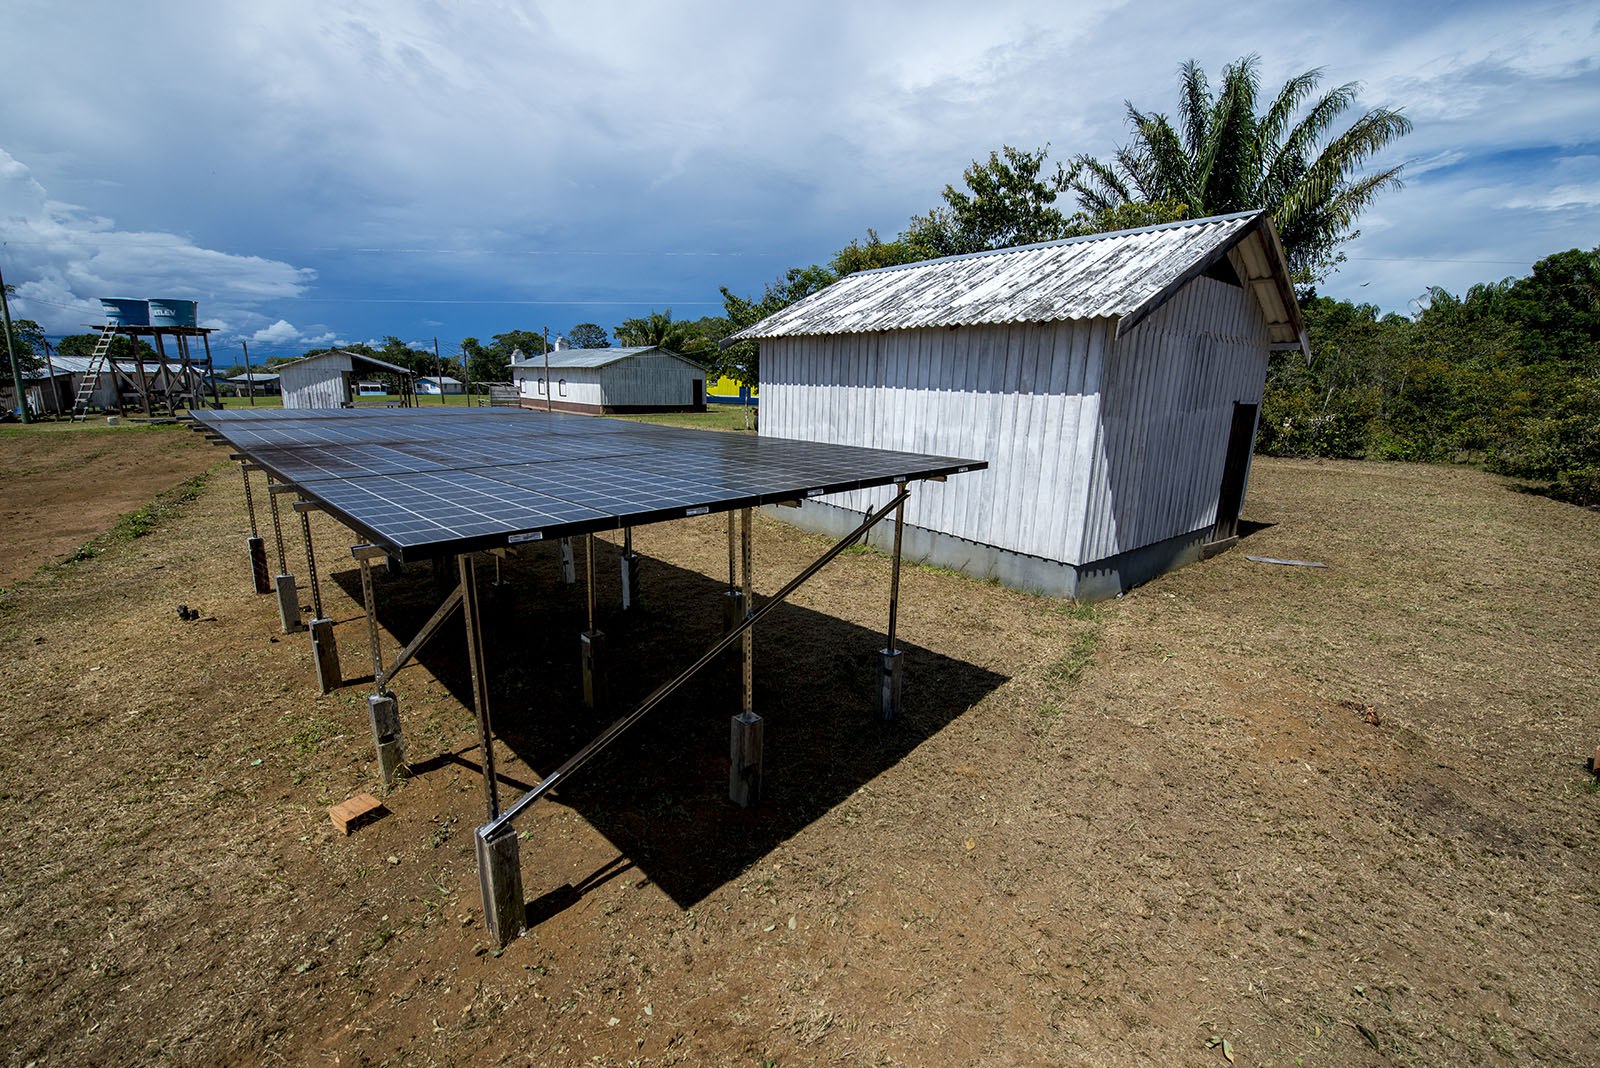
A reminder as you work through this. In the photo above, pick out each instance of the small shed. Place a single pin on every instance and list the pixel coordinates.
(606, 381)
(1113, 382)
(439, 385)
(328, 379)
(257, 383)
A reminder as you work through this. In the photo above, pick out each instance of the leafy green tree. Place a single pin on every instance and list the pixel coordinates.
(674, 335)
(122, 347)
(589, 336)
(1008, 201)
(27, 342)
(741, 361)
(1223, 156)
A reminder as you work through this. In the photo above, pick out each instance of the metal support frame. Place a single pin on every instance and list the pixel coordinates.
(667, 689)
(591, 642)
(746, 732)
(630, 572)
(324, 649)
(254, 545)
(383, 709)
(283, 582)
(733, 609)
(480, 679)
(890, 658)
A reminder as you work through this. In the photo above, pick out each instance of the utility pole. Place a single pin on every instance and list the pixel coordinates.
(438, 369)
(11, 353)
(548, 388)
(249, 375)
(50, 365)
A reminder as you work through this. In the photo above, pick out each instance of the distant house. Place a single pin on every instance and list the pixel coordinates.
(54, 385)
(438, 385)
(333, 379)
(605, 381)
(257, 383)
(1112, 382)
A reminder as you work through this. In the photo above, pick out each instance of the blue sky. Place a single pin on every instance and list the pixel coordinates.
(335, 171)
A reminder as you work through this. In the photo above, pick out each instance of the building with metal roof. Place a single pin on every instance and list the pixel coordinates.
(328, 379)
(645, 378)
(1112, 382)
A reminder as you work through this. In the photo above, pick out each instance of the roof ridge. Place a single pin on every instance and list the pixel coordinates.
(1081, 239)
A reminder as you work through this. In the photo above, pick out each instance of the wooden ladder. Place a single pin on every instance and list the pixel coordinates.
(91, 377)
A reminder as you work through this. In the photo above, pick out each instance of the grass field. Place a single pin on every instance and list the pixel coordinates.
(1327, 816)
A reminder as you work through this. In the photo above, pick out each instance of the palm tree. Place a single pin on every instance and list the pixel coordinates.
(1224, 157)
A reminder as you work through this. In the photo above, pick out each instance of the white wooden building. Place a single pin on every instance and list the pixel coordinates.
(1112, 383)
(328, 379)
(437, 385)
(606, 381)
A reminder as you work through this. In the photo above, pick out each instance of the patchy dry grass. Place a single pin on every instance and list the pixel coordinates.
(1116, 834)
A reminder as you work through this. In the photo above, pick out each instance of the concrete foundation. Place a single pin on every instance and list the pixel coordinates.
(505, 910)
(569, 566)
(325, 656)
(630, 581)
(288, 604)
(384, 711)
(593, 644)
(1094, 581)
(259, 575)
(745, 738)
(732, 609)
(889, 668)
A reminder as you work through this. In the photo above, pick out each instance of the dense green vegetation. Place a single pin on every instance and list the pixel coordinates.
(1507, 376)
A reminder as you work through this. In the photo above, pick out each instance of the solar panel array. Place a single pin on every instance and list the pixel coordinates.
(423, 482)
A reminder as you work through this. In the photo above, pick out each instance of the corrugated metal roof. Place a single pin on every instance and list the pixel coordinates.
(356, 359)
(565, 359)
(1127, 273)
(77, 365)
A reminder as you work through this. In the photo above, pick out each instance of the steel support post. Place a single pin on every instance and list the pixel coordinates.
(591, 641)
(630, 572)
(256, 546)
(746, 731)
(324, 650)
(733, 608)
(569, 567)
(890, 659)
(283, 582)
(382, 707)
(480, 681)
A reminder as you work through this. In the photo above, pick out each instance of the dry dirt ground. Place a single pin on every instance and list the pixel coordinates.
(1164, 830)
(88, 475)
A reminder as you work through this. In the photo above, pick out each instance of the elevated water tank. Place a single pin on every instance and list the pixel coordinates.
(123, 312)
(173, 312)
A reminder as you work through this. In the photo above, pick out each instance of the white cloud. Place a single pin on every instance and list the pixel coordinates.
(281, 332)
(63, 257)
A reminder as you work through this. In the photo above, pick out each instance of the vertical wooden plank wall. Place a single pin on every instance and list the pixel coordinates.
(1095, 446)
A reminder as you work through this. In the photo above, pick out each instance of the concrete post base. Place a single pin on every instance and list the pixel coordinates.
(630, 581)
(744, 759)
(569, 566)
(593, 643)
(288, 604)
(732, 609)
(325, 656)
(384, 712)
(258, 564)
(505, 911)
(889, 684)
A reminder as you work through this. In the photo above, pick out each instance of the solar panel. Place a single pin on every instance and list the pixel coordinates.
(423, 482)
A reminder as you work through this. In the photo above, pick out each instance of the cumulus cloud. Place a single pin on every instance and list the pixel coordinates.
(64, 256)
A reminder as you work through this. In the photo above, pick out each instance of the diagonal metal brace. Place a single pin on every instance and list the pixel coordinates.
(428, 630)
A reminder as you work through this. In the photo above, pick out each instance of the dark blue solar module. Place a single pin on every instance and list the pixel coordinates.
(422, 482)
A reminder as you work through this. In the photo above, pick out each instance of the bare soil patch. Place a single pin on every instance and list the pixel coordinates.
(1098, 836)
(60, 486)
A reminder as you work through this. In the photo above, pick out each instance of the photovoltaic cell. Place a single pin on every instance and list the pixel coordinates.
(423, 482)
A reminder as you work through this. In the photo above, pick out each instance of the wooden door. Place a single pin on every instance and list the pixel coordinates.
(1241, 438)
